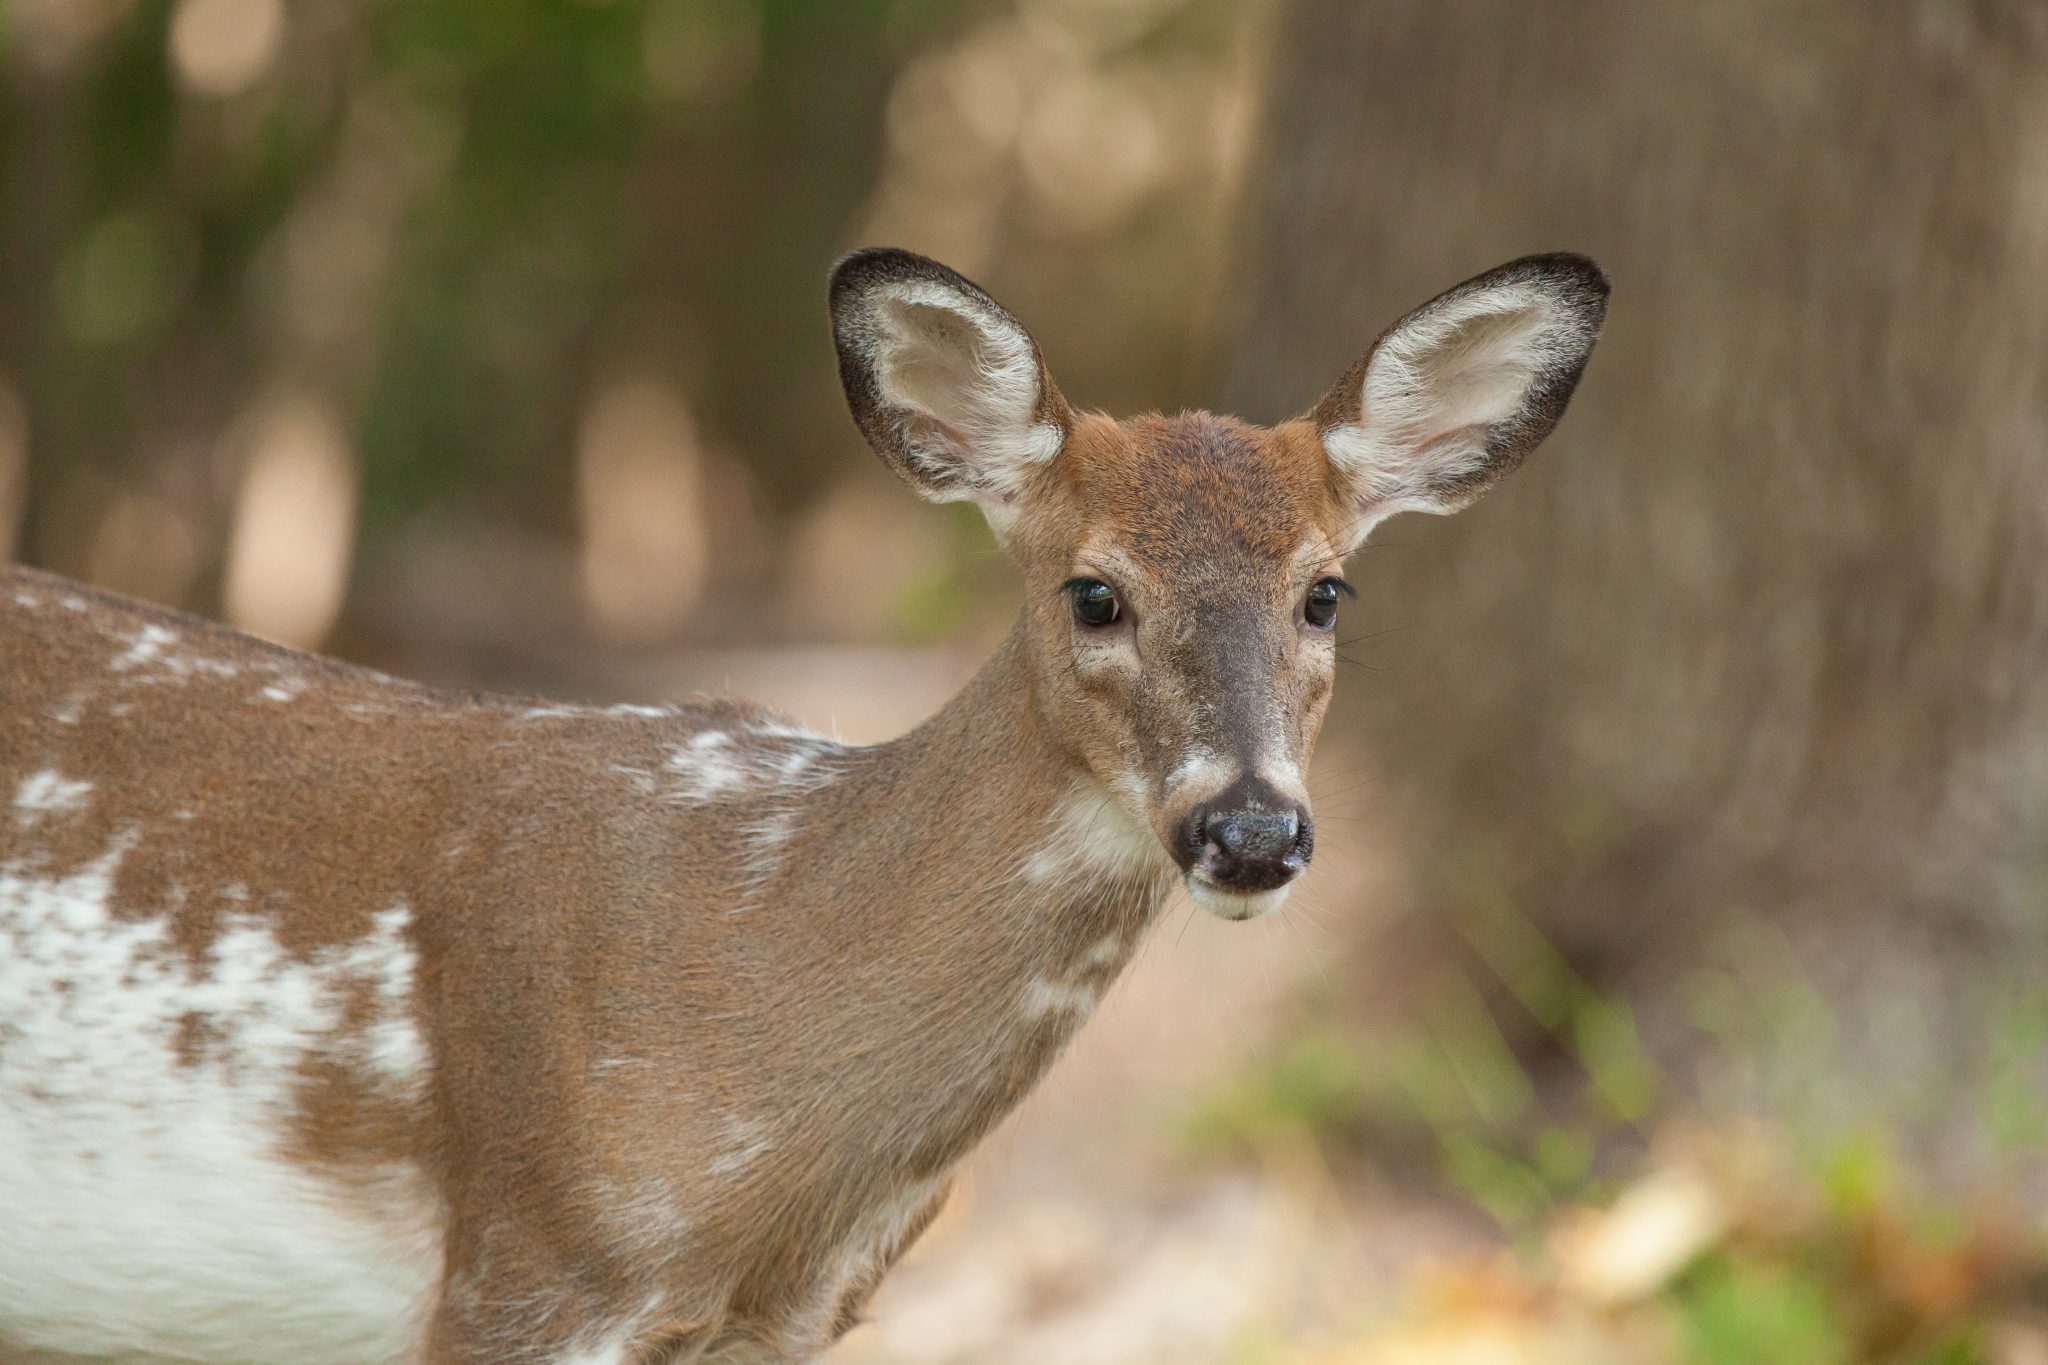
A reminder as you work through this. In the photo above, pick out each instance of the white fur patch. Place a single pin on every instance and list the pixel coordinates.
(1043, 998)
(743, 1142)
(148, 1210)
(152, 658)
(47, 793)
(705, 767)
(1235, 905)
(646, 1216)
(1201, 771)
(1109, 950)
(1092, 835)
(876, 1235)
(771, 759)
(392, 1045)
(611, 1350)
(143, 646)
(1434, 386)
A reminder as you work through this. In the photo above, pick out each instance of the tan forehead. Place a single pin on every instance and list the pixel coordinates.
(1199, 487)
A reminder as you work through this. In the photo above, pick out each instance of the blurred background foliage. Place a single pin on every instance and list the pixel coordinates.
(1676, 933)
(439, 329)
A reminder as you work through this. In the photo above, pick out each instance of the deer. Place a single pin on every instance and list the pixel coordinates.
(344, 1019)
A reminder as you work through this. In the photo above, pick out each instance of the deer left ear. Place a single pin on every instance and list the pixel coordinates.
(946, 385)
(1454, 395)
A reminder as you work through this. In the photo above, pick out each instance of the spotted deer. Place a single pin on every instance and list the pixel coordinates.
(345, 1020)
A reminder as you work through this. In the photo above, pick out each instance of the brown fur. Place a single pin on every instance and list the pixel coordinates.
(860, 1008)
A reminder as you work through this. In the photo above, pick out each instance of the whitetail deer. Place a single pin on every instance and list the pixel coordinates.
(344, 1020)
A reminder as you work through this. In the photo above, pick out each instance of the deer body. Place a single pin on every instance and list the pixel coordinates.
(316, 930)
(347, 1020)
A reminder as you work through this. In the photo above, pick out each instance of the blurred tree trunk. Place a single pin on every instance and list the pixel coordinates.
(1764, 630)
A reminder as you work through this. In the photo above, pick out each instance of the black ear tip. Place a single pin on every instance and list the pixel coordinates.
(1581, 274)
(868, 261)
(872, 265)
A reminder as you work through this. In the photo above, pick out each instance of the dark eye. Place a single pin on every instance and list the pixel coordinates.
(1095, 602)
(1320, 611)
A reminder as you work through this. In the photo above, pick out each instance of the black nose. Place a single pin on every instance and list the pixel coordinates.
(1248, 838)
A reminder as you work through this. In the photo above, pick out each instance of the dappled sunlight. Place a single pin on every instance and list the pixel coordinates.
(640, 498)
(295, 520)
(222, 47)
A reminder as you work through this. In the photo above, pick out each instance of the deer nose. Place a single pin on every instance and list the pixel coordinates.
(1249, 838)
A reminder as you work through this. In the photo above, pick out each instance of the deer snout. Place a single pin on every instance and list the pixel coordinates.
(1243, 845)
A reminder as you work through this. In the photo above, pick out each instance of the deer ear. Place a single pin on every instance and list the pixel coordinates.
(1454, 395)
(946, 385)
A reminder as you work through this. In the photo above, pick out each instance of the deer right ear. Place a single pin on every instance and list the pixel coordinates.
(1454, 395)
(945, 384)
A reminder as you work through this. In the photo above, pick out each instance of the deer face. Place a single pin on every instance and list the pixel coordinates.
(1184, 574)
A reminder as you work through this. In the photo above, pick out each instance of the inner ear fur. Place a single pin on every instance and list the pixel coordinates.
(1457, 393)
(945, 383)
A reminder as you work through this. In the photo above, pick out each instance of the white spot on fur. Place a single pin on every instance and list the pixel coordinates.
(1043, 997)
(1202, 771)
(149, 658)
(1092, 834)
(702, 770)
(744, 1141)
(876, 1237)
(150, 1210)
(29, 600)
(716, 765)
(642, 780)
(48, 793)
(764, 839)
(392, 1045)
(611, 1350)
(146, 644)
(645, 1216)
(1107, 951)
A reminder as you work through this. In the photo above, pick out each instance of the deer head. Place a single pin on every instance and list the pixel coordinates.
(1184, 574)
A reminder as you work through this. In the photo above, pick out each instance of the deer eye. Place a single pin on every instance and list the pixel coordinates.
(1320, 611)
(1095, 603)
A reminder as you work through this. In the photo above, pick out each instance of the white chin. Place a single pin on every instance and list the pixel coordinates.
(1234, 905)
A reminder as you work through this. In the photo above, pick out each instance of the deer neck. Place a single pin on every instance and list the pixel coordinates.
(973, 913)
